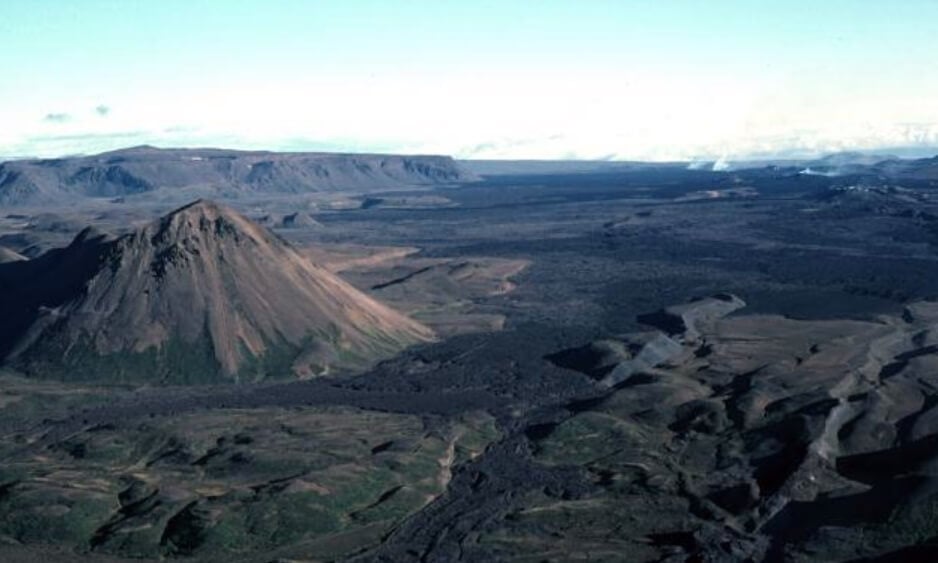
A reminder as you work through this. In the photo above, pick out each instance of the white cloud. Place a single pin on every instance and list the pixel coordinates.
(643, 114)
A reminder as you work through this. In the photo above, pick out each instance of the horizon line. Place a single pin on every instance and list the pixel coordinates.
(906, 153)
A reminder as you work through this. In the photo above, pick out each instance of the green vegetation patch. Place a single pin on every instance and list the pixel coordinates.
(234, 481)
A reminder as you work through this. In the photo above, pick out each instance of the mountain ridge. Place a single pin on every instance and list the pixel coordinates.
(145, 169)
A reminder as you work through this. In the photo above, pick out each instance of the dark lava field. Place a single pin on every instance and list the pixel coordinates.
(692, 366)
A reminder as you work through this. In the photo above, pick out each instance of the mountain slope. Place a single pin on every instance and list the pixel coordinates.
(202, 294)
(146, 169)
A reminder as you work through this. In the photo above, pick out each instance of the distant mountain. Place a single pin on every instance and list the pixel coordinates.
(883, 167)
(832, 164)
(146, 169)
(921, 169)
(839, 163)
(201, 295)
(853, 158)
(845, 163)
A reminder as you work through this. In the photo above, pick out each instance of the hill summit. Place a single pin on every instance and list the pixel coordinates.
(200, 295)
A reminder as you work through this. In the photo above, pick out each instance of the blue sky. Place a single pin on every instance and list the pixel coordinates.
(662, 79)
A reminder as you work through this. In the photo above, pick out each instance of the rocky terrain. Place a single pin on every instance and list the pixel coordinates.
(762, 437)
(147, 169)
(673, 376)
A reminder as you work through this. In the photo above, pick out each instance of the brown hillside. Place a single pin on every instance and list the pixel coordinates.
(201, 290)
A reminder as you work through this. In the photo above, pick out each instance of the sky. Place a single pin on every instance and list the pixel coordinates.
(547, 79)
